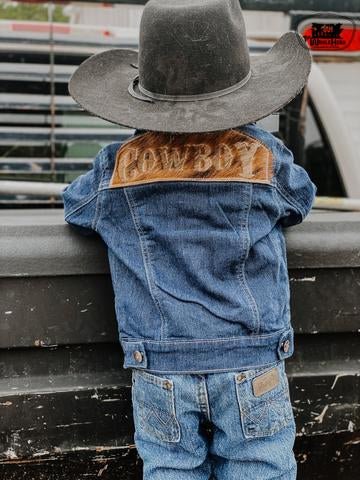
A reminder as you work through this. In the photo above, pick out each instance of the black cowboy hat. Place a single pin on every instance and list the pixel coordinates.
(193, 71)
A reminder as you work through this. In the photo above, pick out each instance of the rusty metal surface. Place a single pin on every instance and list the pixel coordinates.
(35, 311)
(65, 400)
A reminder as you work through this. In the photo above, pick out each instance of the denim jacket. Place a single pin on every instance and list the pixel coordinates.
(197, 256)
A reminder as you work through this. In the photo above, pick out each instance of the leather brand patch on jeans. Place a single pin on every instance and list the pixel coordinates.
(265, 382)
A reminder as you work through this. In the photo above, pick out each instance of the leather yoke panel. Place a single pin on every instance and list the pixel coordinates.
(229, 155)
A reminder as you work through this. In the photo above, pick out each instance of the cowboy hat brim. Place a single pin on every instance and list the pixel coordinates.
(100, 85)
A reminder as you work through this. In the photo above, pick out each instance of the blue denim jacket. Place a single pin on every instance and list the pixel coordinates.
(197, 258)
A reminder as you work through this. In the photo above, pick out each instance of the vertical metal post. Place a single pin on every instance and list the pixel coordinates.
(51, 8)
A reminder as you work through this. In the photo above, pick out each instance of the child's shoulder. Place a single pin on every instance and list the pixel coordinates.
(109, 151)
(106, 156)
(261, 134)
(281, 154)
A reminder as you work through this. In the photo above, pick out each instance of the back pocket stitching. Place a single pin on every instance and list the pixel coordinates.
(172, 425)
(281, 399)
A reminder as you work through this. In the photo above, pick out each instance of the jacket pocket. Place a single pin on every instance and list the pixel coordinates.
(154, 406)
(264, 400)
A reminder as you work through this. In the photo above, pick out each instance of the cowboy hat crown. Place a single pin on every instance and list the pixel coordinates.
(191, 48)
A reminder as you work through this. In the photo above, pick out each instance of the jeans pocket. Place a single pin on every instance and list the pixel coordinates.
(154, 406)
(264, 400)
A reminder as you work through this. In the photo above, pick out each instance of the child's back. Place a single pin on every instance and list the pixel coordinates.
(193, 225)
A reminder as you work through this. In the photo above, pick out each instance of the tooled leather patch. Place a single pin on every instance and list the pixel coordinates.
(265, 382)
(218, 156)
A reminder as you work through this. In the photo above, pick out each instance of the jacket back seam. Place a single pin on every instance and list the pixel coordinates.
(251, 298)
(145, 257)
(97, 206)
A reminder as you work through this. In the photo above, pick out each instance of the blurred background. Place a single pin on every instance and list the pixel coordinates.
(45, 137)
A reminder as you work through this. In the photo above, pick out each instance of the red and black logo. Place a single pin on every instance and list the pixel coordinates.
(330, 32)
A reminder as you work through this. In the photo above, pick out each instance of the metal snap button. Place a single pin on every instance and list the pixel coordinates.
(138, 356)
(241, 377)
(286, 346)
(167, 385)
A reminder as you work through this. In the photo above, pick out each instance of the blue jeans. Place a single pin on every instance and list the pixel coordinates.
(248, 412)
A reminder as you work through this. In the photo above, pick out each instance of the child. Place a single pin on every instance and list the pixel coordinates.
(192, 209)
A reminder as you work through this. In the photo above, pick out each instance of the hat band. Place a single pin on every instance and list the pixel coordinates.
(183, 98)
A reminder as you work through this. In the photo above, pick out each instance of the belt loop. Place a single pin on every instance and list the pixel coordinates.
(134, 355)
(285, 347)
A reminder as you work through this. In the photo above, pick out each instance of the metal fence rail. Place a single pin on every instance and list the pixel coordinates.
(278, 5)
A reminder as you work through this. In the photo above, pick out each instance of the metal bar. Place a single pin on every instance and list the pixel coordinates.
(277, 5)
(67, 121)
(8, 135)
(337, 203)
(324, 240)
(44, 160)
(20, 101)
(52, 136)
(9, 187)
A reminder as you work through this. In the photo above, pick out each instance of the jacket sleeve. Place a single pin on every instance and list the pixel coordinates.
(294, 189)
(81, 198)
